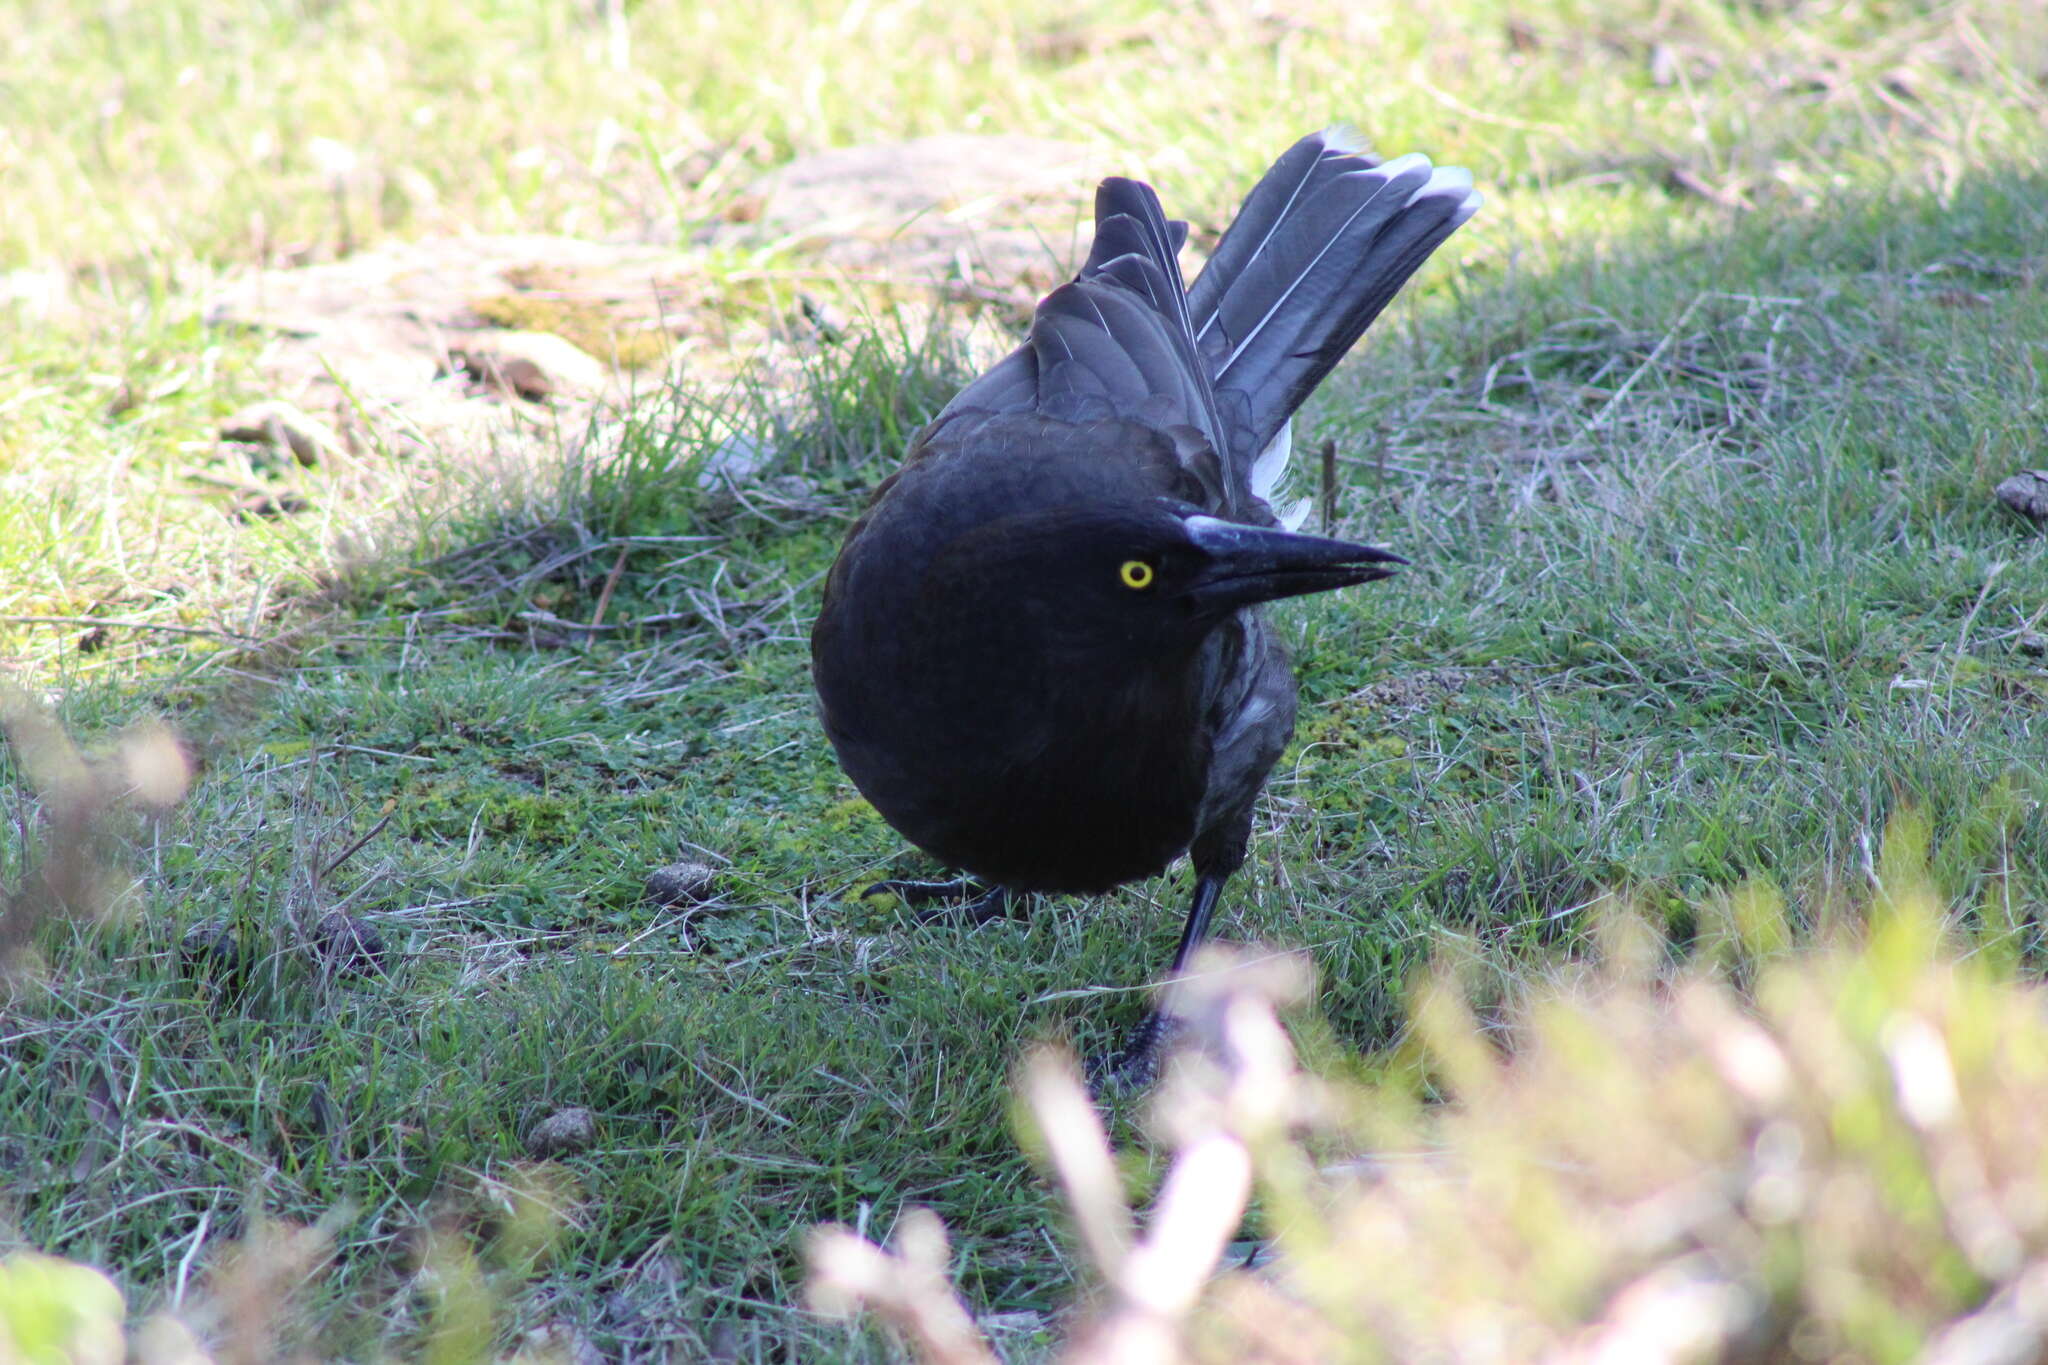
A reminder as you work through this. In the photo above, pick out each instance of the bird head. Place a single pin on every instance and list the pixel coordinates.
(1156, 573)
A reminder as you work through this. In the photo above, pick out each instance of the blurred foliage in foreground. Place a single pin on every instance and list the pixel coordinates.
(1846, 1162)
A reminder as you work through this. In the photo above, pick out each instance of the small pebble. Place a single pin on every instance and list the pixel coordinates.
(283, 427)
(2027, 494)
(348, 945)
(536, 366)
(209, 948)
(681, 884)
(562, 1132)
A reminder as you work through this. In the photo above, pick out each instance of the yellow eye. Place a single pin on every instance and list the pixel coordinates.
(1135, 573)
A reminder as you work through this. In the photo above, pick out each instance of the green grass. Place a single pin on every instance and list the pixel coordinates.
(1709, 581)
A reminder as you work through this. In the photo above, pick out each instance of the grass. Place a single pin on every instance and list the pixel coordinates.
(1836, 1160)
(1691, 438)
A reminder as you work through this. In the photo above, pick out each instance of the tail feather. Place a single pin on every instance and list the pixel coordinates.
(1320, 246)
(1301, 170)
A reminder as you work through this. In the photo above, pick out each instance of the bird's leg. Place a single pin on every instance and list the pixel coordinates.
(933, 901)
(1135, 1067)
(1196, 931)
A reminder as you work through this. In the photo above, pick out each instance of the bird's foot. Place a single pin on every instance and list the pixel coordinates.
(1135, 1068)
(934, 901)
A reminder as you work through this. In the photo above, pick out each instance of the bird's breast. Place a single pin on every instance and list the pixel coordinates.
(1042, 784)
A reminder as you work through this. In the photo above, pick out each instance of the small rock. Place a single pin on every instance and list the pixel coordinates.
(795, 493)
(562, 1132)
(681, 884)
(2031, 642)
(1021, 1322)
(737, 461)
(264, 505)
(995, 211)
(2027, 494)
(521, 376)
(282, 427)
(534, 365)
(348, 945)
(210, 949)
(564, 1342)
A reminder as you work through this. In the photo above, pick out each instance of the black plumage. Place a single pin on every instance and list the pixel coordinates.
(1040, 653)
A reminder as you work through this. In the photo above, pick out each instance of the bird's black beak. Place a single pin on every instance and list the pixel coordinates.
(1249, 564)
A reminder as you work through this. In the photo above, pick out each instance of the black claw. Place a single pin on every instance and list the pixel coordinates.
(911, 891)
(1135, 1068)
(993, 904)
(933, 902)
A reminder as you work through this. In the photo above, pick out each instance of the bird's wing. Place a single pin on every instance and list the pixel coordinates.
(1116, 342)
(1320, 245)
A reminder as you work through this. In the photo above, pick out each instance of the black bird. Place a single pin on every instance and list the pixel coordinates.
(1040, 654)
